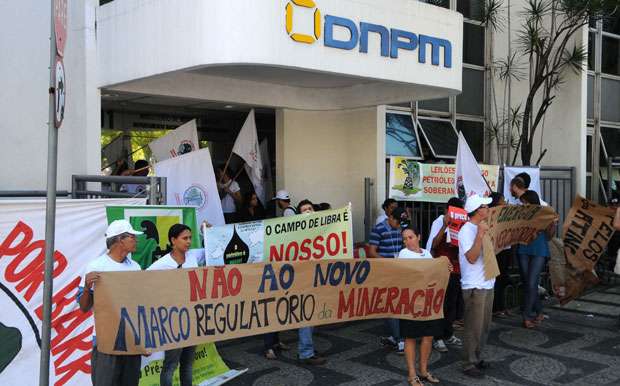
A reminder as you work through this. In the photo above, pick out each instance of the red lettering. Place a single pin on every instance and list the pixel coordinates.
(292, 246)
(79, 365)
(219, 281)
(345, 305)
(235, 281)
(391, 296)
(438, 301)
(197, 289)
(60, 301)
(414, 298)
(274, 254)
(318, 247)
(332, 250)
(306, 252)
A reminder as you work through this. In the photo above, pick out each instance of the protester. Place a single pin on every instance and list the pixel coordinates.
(532, 259)
(385, 241)
(307, 354)
(108, 369)
(325, 206)
(283, 201)
(503, 262)
(453, 303)
(414, 329)
(518, 186)
(180, 238)
(141, 169)
(477, 291)
(388, 206)
(230, 193)
(252, 209)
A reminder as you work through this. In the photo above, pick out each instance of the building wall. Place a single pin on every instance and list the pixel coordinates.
(24, 101)
(324, 156)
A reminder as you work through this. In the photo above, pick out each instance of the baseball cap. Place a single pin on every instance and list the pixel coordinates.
(282, 195)
(474, 202)
(118, 227)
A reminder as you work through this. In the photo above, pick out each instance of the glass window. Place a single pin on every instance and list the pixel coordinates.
(401, 137)
(611, 140)
(610, 62)
(438, 3)
(590, 96)
(435, 104)
(471, 9)
(589, 187)
(474, 134)
(440, 136)
(610, 100)
(471, 100)
(612, 23)
(473, 44)
(591, 50)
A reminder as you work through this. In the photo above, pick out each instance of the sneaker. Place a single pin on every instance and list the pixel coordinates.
(401, 348)
(270, 354)
(313, 361)
(389, 341)
(454, 341)
(473, 372)
(440, 346)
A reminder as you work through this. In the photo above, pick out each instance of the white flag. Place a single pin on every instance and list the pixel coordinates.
(469, 179)
(177, 142)
(191, 181)
(246, 147)
(267, 177)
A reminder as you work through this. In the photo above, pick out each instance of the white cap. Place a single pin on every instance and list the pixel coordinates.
(282, 195)
(474, 202)
(118, 227)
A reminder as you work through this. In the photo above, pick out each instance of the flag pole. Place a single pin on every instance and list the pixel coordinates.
(226, 166)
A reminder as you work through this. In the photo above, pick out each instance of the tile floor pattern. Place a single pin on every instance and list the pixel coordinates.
(578, 345)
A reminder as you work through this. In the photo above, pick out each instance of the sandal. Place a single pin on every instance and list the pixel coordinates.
(539, 318)
(529, 324)
(429, 378)
(415, 381)
(270, 354)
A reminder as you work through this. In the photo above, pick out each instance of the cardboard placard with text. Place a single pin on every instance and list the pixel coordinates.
(218, 303)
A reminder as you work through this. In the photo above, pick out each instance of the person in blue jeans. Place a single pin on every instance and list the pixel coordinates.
(532, 259)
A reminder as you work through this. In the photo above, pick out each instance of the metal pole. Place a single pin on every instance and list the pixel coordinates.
(152, 193)
(50, 217)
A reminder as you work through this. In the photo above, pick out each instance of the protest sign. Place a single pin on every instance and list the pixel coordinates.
(217, 303)
(80, 229)
(511, 172)
(411, 180)
(314, 236)
(179, 141)
(191, 181)
(458, 217)
(154, 221)
(586, 232)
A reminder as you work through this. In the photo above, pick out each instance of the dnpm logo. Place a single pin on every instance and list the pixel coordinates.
(392, 40)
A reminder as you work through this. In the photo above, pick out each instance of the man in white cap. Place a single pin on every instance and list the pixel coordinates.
(109, 370)
(477, 291)
(283, 200)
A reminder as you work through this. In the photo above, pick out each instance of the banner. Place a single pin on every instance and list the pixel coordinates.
(411, 180)
(510, 225)
(511, 172)
(470, 179)
(191, 181)
(155, 222)
(80, 229)
(314, 236)
(218, 303)
(182, 140)
(586, 232)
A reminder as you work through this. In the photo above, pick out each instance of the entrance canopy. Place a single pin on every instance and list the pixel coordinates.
(300, 54)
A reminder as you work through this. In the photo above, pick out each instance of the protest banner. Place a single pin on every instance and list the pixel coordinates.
(191, 181)
(314, 236)
(511, 172)
(217, 303)
(510, 225)
(586, 232)
(80, 229)
(179, 141)
(411, 180)
(458, 217)
(154, 221)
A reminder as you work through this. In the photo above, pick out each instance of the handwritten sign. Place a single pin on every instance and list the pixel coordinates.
(217, 303)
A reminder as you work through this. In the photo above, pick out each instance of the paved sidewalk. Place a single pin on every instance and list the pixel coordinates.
(577, 345)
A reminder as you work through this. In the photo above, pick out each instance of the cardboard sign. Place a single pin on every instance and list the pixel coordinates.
(586, 232)
(314, 236)
(135, 314)
(458, 217)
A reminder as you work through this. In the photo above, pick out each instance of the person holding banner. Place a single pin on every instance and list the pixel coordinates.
(532, 259)
(413, 329)
(106, 369)
(503, 262)
(477, 290)
(180, 238)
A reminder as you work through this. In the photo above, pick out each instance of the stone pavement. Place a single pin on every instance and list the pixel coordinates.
(578, 344)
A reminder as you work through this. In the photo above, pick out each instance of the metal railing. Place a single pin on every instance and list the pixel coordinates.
(154, 187)
(30, 193)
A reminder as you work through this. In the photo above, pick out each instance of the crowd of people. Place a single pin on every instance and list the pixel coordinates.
(470, 302)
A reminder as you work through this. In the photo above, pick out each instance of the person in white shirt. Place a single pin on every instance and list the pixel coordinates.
(283, 201)
(388, 206)
(106, 369)
(230, 192)
(180, 238)
(477, 291)
(415, 329)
